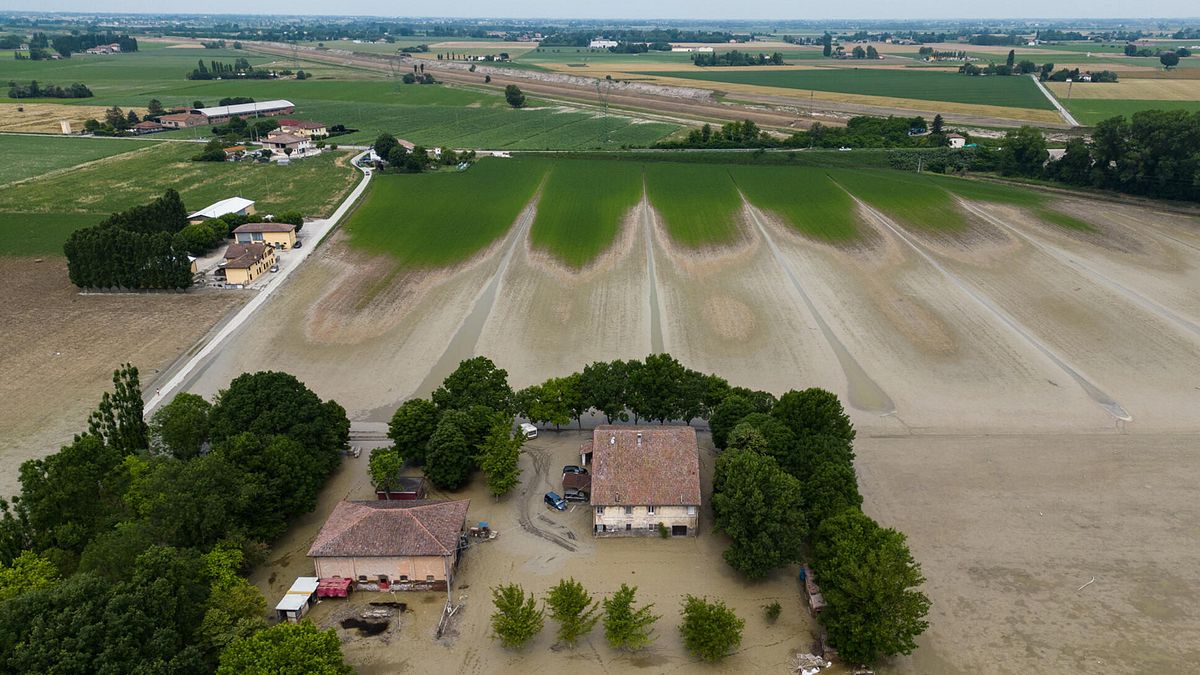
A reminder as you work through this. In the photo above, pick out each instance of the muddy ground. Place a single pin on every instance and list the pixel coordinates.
(1012, 369)
(58, 349)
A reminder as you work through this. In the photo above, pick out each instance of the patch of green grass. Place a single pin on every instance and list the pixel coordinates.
(433, 220)
(913, 200)
(1063, 220)
(1012, 92)
(313, 186)
(35, 234)
(1092, 111)
(698, 202)
(1035, 201)
(582, 206)
(29, 156)
(802, 197)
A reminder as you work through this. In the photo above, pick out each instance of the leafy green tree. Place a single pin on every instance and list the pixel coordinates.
(778, 440)
(761, 508)
(113, 553)
(814, 411)
(656, 388)
(384, 467)
(938, 125)
(826, 45)
(476, 381)
(499, 456)
(625, 627)
(27, 572)
(869, 580)
(384, 145)
(286, 474)
(118, 419)
(514, 96)
(517, 618)
(200, 502)
(726, 416)
(198, 238)
(270, 403)
(603, 385)
(1075, 166)
(1024, 152)
(573, 608)
(1169, 60)
(180, 428)
(286, 648)
(155, 107)
(832, 487)
(450, 459)
(411, 427)
(710, 629)
(235, 609)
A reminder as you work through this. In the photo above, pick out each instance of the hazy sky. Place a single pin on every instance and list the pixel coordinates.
(680, 9)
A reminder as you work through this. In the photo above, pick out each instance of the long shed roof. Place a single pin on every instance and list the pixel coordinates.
(258, 108)
(223, 207)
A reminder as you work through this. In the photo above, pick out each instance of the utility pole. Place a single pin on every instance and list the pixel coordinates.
(919, 164)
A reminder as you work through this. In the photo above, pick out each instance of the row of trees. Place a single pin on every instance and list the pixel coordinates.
(1153, 153)
(219, 70)
(859, 132)
(710, 630)
(785, 484)
(34, 90)
(736, 58)
(133, 249)
(403, 160)
(125, 550)
(69, 44)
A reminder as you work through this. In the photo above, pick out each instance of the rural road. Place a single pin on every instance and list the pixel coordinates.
(315, 231)
(1050, 97)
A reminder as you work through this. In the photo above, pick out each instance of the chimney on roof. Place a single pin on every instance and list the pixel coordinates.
(639, 439)
(612, 439)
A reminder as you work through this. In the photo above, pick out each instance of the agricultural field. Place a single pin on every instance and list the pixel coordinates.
(61, 202)
(439, 219)
(1014, 92)
(31, 156)
(698, 202)
(805, 198)
(582, 208)
(1093, 110)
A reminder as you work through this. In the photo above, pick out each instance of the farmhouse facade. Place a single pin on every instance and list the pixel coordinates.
(182, 120)
(303, 128)
(246, 262)
(644, 480)
(282, 236)
(392, 545)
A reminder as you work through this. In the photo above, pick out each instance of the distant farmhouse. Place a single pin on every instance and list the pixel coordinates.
(113, 48)
(601, 43)
(303, 128)
(644, 480)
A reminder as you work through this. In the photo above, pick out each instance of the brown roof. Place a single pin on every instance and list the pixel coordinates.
(662, 470)
(264, 227)
(301, 124)
(286, 139)
(235, 148)
(243, 256)
(148, 124)
(392, 528)
(180, 117)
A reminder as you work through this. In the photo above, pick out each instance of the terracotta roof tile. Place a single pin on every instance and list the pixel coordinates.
(664, 469)
(391, 528)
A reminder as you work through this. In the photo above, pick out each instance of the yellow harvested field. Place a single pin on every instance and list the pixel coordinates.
(609, 66)
(484, 44)
(45, 117)
(802, 95)
(1134, 88)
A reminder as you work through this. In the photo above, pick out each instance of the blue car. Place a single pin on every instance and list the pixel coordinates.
(555, 502)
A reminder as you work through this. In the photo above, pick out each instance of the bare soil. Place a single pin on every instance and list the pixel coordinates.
(60, 348)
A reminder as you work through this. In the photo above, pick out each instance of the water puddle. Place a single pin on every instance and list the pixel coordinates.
(1095, 393)
(1071, 261)
(862, 391)
(657, 343)
(462, 345)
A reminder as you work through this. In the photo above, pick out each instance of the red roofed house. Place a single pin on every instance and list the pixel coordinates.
(643, 478)
(182, 120)
(401, 545)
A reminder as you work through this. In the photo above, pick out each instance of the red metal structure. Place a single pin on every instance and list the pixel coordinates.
(334, 587)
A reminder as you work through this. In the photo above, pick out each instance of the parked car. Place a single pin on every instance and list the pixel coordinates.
(528, 430)
(573, 495)
(554, 501)
(298, 244)
(571, 468)
(274, 268)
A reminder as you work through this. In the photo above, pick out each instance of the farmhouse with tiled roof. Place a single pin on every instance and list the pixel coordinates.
(645, 479)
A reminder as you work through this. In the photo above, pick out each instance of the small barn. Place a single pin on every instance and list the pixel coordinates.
(402, 487)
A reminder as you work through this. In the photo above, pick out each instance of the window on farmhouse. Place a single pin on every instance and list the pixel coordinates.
(629, 510)
(599, 510)
(650, 510)
(691, 510)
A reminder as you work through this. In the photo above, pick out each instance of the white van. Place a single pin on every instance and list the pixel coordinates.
(528, 430)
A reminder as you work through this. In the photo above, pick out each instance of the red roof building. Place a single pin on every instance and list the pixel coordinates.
(645, 480)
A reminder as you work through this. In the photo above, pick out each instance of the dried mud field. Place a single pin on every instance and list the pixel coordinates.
(1027, 398)
(58, 349)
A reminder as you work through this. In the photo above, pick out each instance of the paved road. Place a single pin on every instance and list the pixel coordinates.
(314, 231)
(1066, 115)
